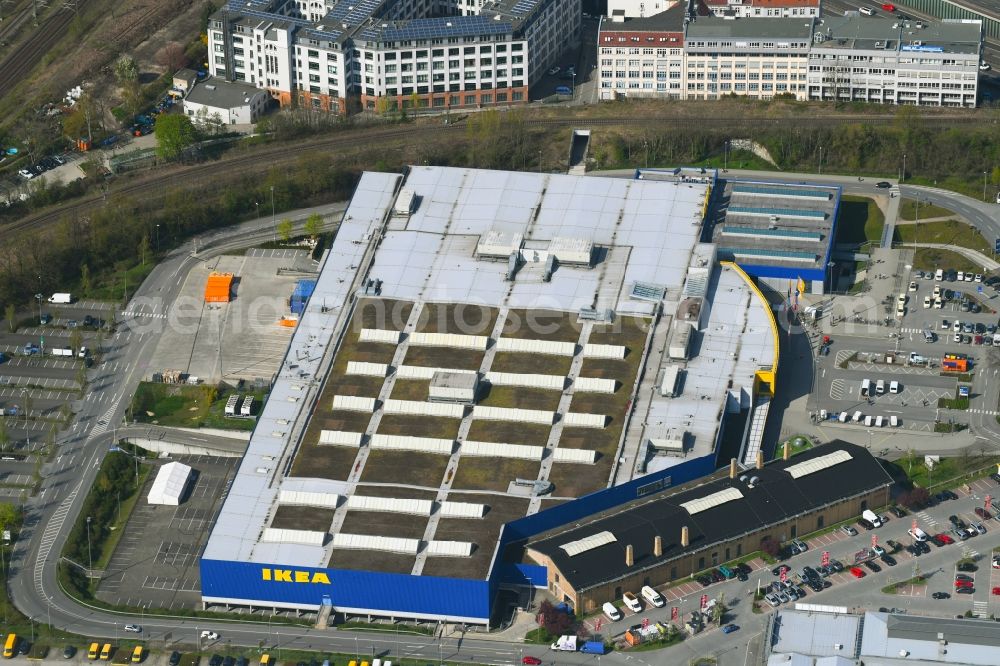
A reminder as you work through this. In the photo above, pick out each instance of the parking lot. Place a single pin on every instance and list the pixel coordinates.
(156, 561)
(236, 340)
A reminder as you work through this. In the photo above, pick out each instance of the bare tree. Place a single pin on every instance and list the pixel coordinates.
(171, 56)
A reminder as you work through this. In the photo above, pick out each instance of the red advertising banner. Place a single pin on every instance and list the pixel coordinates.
(989, 502)
(704, 601)
(784, 575)
(674, 613)
(825, 560)
(645, 623)
(913, 525)
(874, 540)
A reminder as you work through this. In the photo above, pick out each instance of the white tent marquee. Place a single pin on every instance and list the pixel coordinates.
(169, 484)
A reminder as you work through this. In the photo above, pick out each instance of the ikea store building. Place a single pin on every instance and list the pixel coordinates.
(339, 507)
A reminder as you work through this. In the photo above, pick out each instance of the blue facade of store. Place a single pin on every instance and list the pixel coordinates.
(426, 597)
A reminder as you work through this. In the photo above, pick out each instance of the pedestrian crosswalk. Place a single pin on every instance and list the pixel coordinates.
(926, 518)
(139, 313)
(981, 608)
(989, 412)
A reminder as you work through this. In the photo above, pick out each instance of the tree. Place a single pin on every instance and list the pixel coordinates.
(9, 515)
(75, 341)
(314, 225)
(143, 248)
(769, 546)
(171, 56)
(126, 69)
(915, 498)
(285, 230)
(174, 133)
(555, 621)
(720, 609)
(84, 280)
(11, 314)
(4, 435)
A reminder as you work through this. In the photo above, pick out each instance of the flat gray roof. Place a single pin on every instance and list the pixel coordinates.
(890, 34)
(969, 641)
(815, 633)
(222, 94)
(708, 27)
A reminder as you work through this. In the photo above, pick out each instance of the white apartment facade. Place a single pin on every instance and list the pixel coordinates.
(905, 62)
(764, 8)
(379, 54)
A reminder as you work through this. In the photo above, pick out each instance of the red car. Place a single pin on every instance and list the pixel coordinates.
(944, 538)
(531, 661)
(963, 583)
(857, 572)
(889, 7)
(996, 590)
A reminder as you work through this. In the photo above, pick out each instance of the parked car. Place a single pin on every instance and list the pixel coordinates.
(528, 660)
(564, 90)
(175, 658)
(215, 660)
(872, 566)
(730, 628)
(979, 527)
(883, 185)
(133, 628)
(941, 595)
(897, 511)
(965, 590)
(849, 531)
(778, 569)
(983, 513)
(857, 572)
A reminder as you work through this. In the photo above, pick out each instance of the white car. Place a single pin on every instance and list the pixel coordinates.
(984, 66)
(945, 324)
(979, 278)
(968, 277)
(927, 301)
(913, 286)
(878, 550)
(133, 628)
(209, 635)
(957, 338)
(938, 304)
(894, 386)
(937, 290)
(960, 277)
(957, 326)
(632, 602)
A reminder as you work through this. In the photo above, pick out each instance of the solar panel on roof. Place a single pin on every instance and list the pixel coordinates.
(798, 470)
(713, 500)
(574, 548)
(648, 292)
(766, 253)
(740, 230)
(788, 212)
(781, 191)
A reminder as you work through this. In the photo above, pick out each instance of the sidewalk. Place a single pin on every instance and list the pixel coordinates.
(972, 255)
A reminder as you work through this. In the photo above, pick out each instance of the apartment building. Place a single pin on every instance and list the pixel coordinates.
(757, 58)
(348, 55)
(896, 62)
(764, 8)
(643, 57)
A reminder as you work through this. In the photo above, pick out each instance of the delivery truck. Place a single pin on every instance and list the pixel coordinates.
(61, 351)
(565, 644)
(61, 297)
(593, 647)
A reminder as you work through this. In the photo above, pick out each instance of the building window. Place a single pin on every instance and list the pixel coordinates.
(701, 565)
(864, 505)
(557, 577)
(470, 100)
(739, 549)
(673, 573)
(819, 522)
(618, 592)
(795, 531)
(727, 554)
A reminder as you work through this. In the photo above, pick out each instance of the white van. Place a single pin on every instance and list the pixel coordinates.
(611, 612)
(939, 274)
(857, 416)
(866, 387)
(880, 387)
(917, 534)
(893, 421)
(871, 517)
(652, 596)
(894, 386)
(843, 417)
(879, 422)
(867, 11)
(869, 420)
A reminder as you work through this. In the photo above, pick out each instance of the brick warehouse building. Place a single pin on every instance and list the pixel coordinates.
(660, 540)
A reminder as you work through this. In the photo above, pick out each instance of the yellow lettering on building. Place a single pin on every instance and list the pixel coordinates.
(301, 576)
(289, 576)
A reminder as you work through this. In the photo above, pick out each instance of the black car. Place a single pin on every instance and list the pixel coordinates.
(941, 595)
(883, 185)
(68, 652)
(704, 580)
(912, 550)
(175, 658)
(965, 590)
(216, 660)
(809, 573)
(995, 476)
(942, 497)
(778, 569)
(717, 576)
(23, 647)
(837, 566)
(889, 559)
(949, 494)
(957, 522)
(242, 661)
(866, 524)
(964, 577)
(899, 512)
(228, 661)
(967, 566)
(872, 566)
(741, 576)
(88, 320)
(922, 546)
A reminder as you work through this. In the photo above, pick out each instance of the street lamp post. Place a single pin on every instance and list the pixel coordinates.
(984, 186)
(38, 297)
(273, 228)
(90, 557)
(820, 159)
(157, 238)
(902, 176)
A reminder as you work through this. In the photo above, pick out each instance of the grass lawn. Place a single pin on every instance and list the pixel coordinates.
(953, 403)
(930, 259)
(796, 449)
(859, 221)
(411, 389)
(541, 324)
(945, 469)
(520, 397)
(944, 232)
(493, 473)
(908, 210)
(185, 406)
(460, 318)
(539, 364)
(117, 528)
(302, 518)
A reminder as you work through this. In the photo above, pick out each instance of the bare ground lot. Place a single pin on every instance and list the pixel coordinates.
(411, 389)
(571, 480)
(509, 432)
(492, 473)
(550, 325)
(418, 426)
(377, 523)
(371, 560)
(483, 532)
(461, 318)
(440, 357)
(383, 313)
(539, 364)
(394, 491)
(302, 518)
(519, 397)
(405, 467)
(324, 462)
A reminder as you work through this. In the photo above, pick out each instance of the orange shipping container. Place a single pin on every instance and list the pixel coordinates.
(218, 287)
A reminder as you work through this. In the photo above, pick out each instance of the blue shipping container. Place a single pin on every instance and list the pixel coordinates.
(303, 290)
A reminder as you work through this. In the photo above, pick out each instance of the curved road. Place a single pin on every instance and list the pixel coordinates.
(50, 515)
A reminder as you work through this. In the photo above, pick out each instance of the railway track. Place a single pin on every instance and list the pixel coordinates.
(30, 51)
(265, 158)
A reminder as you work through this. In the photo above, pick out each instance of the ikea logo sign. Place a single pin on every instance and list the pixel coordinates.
(290, 576)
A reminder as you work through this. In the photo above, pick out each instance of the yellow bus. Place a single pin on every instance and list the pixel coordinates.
(265, 659)
(95, 649)
(106, 652)
(137, 654)
(10, 646)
